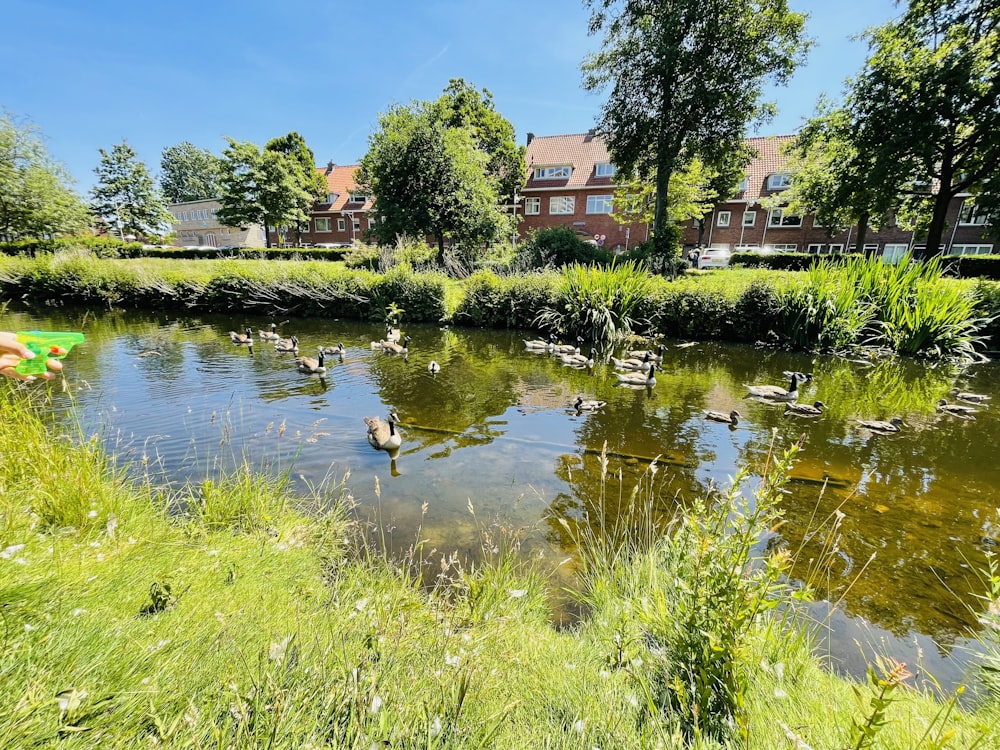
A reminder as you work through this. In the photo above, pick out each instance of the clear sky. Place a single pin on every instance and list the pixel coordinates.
(91, 72)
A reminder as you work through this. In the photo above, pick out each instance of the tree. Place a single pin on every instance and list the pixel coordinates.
(36, 199)
(125, 196)
(686, 79)
(189, 173)
(927, 105)
(306, 185)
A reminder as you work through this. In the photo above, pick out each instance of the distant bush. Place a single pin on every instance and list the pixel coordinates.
(256, 253)
(505, 301)
(102, 247)
(787, 261)
(973, 266)
(555, 247)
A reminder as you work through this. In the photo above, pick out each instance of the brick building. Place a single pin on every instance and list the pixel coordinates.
(342, 217)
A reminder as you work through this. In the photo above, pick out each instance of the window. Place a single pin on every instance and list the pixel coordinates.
(604, 170)
(749, 218)
(356, 225)
(779, 181)
(722, 220)
(358, 198)
(892, 254)
(815, 248)
(371, 223)
(322, 225)
(788, 247)
(970, 250)
(778, 218)
(599, 204)
(341, 226)
(552, 173)
(562, 204)
(836, 249)
(970, 215)
(532, 206)
(745, 185)
(328, 198)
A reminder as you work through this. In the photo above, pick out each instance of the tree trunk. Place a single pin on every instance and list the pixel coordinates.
(267, 235)
(942, 200)
(862, 231)
(440, 255)
(660, 249)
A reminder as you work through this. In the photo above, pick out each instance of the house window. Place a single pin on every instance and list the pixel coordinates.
(892, 253)
(815, 248)
(341, 226)
(356, 224)
(788, 247)
(745, 185)
(532, 206)
(371, 223)
(749, 218)
(779, 181)
(552, 173)
(970, 215)
(970, 250)
(604, 170)
(779, 218)
(562, 204)
(723, 219)
(358, 198)
(322, 225)
(599, 204)
(836, 249)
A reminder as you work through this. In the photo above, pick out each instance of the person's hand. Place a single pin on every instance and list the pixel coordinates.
(13, 351)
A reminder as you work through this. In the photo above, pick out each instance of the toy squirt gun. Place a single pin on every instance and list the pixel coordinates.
(46, 345)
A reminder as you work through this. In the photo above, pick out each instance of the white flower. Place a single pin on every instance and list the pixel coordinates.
(376, 705)
(360, 604)
(579, 726)
(518, 593)
(92, 514)
(436, 726)
(10, 551)
(276, 652)
(451, 661)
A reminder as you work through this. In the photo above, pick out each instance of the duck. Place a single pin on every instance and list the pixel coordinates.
(584, 404)
(433, 368)
(805, 410)
(578, 360)
(732, 418)
(633, 363)
(540, 345)
(334, 351)
(242, 339)
(958, 410)
(972, 398)
(893, 425)
(646, 379)
(647, 355)
(392, 334)
(776, 392)
(311, 366)
(804, 377)
(567, 348)
(383, 435)
(271, 335)
(287, 345)
(392, 347)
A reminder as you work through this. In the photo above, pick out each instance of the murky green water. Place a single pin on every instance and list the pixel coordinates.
(493, 429)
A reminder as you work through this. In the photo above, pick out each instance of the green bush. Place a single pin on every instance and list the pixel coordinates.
(787, 261)
(973, 266)
(554, 247)
(505, 301)
(102, 247)
(257, 253)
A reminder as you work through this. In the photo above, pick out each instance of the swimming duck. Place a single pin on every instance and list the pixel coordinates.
(957, 410)
(271, 335)
(648, 355)
(893, 425)
(633, 363)
(392, 347)
(972, 398)
(578, 360)
(776, 392)
(540, 345)
(334, 351)
(804, 377)
(732, 418)
(583, 404)
(287, 345)
(567, 348)
(242, 339)
(433, 368)
(805, 410)
(382, 435)
(642, 379)
(311, 366)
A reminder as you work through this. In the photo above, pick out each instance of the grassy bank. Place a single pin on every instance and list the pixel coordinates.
(219, 615)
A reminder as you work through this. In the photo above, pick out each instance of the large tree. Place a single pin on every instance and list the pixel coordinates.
(36, 199)
(686, 79)
(189, 173)
(307, 185)
(927, 106)
(125, 197)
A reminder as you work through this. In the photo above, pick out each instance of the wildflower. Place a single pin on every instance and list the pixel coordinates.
(435, 728)
(361, 604)
(579, 726)
(451, 661)
(92, 514)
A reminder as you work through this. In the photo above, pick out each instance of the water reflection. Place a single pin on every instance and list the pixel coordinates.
(496, 426)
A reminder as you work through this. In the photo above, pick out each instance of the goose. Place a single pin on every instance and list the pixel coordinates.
(957, 410)
(584, 404)
(433, 368)
(242, 339)
(637, 378)
(805, 410)
(392, 334)
(382, 435)
(578, 360)
(311, 366)
(633, 363)
(776, 392)
(567, 348)
(642, 354)
(972, 398)
(287, 345)
(334, 351)
(271, 335)
(893, 425)
(391, 347)
(804, 377)
(540, 345)
(732, 418)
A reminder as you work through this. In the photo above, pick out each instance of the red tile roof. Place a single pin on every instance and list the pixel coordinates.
(770, 160)
(340, 181)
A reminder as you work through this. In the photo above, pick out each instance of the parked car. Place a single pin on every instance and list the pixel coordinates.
(330, 245)
(713, 257)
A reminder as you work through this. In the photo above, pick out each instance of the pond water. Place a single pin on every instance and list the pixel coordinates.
(493, 430)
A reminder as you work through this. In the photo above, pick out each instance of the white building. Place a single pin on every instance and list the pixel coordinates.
(195, 223)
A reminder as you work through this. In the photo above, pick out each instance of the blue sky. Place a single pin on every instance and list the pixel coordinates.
(90, 73)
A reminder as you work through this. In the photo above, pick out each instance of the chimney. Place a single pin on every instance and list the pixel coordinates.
(591, 133)
(531, 137)
(329, 166)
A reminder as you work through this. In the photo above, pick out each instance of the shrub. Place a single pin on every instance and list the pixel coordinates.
(559, 246)
(102, 247)
(505, 301)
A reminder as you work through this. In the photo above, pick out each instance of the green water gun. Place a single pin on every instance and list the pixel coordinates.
(46, 345)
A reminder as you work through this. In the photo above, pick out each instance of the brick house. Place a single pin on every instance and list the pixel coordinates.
(344, 216)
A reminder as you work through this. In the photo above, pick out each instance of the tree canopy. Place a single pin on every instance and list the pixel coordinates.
(126, 197)
(36, 199)
(686, 79)
(189, 173)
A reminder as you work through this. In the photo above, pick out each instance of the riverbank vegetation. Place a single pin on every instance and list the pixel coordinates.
(221, 613)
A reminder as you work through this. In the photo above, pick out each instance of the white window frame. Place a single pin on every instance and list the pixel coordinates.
(561, 172)
(837, 249)
(785, 247)
(969, 217)
(532, 206)
(893, 252)
(341, 225)
(562, 205)
(745, 184)
(722, 218)
(970, 249)
(599, 204)
(778, 219)
(815, 248)
(604, 169)
(323, 224)
(356, 224)
(779, 181)
(371, 222)
(752, 216)
(357, 198)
